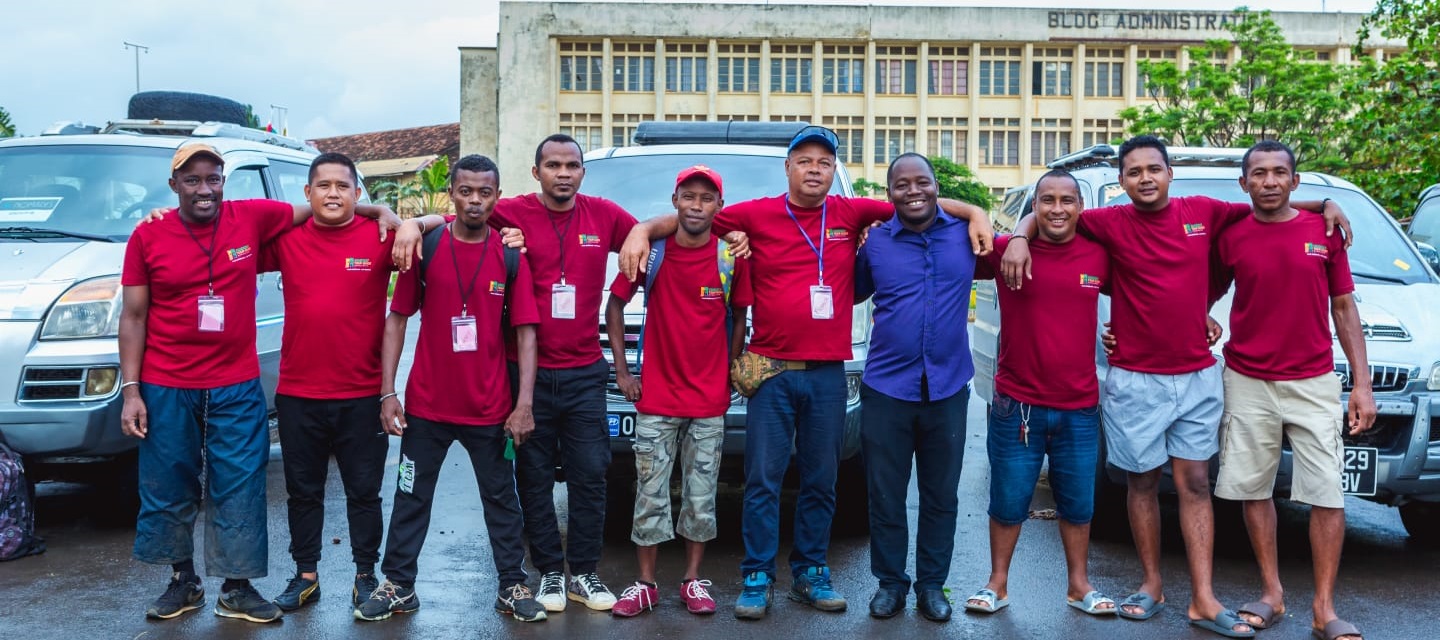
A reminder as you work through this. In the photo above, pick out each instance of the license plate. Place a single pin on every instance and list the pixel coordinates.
(623, 425)
(1358, 477)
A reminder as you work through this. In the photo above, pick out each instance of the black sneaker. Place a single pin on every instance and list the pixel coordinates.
(517, 601)
(389, 598)
(183, 594)
(298, 592)
(365, 584)
(246, 603)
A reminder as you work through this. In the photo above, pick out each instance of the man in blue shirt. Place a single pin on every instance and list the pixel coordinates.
(919, 266)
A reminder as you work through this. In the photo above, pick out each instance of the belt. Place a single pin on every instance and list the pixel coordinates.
(802, 365)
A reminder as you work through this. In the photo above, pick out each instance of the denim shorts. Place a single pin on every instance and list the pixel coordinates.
(1071, 439)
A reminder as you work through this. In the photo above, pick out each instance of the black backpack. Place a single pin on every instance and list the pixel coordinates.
(17, 509)
(431, 242)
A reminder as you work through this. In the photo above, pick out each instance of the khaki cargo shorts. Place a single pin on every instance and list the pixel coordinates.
(1258, 414)
(698, 442)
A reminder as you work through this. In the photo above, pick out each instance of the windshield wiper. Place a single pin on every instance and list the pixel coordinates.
(1376, 276)
(30, 232)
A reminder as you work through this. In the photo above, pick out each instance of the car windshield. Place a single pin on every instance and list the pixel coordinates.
(643, 184)
(92, 190)
(1380, 252)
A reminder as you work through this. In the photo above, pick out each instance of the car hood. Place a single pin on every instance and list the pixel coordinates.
(34, 274)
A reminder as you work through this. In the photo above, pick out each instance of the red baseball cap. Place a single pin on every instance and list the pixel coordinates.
(702, 171)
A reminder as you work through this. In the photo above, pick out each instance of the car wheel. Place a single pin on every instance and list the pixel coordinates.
(181, 105)
(1422, 522)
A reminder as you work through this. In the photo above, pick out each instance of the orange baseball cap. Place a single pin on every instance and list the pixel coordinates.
(702, 171)
(186, 152)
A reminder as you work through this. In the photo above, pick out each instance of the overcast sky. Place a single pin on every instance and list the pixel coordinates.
(340, 66)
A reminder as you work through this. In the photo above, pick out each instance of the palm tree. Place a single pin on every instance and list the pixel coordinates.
(6, 128)
(427, 192)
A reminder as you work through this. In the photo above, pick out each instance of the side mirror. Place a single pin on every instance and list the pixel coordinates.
(1431, 255)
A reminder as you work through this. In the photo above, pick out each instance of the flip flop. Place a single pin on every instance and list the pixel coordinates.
(1336, 628)
(1265, 612)
(1148, 606)
(991, 600)
(1091, 604)
(1224, 624)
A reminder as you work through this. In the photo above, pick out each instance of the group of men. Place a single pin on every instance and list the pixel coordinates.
(522, 375)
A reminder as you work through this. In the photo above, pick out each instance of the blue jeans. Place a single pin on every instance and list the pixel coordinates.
(223, 431)
(1070, 438)
(806, 408)
(931, 435)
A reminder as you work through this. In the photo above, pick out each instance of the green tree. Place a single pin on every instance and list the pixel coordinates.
(1271, 91)
(426, 193)
(865, 187)
(7, 129)
(959, 183)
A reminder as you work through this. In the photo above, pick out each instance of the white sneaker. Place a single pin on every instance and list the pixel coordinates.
(551, 593)
(589, 590)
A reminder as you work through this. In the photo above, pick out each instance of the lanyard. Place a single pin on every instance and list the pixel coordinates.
(208, 251)
(464, 290)
(560, 238)
(820, 250)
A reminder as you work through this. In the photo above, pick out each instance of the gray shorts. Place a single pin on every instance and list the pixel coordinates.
(1150, 418)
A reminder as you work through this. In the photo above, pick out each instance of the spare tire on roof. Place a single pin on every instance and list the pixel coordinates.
(181, 105)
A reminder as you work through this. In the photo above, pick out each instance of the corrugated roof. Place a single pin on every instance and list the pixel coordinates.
(440, 139)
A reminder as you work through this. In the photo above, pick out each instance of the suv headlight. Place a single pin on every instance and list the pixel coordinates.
(89, 309)
(860, 322)
(1434, 383)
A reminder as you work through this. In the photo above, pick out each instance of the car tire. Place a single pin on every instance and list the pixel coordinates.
(181, 105)
(1422, 522)
(852, 496)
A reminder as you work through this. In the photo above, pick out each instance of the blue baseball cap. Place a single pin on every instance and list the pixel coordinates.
(814, 133)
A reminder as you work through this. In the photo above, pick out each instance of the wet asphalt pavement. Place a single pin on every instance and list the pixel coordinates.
(87, 585)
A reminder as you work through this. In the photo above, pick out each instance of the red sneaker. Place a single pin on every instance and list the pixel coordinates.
(696, 594)
(636, 599)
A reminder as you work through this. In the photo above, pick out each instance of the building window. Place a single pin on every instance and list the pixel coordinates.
(1000, 71)
(581, 66)
(789, 118)
(622, 128)
(1105, 73)
(634, 65)
(685, 117)
(1051, 72)
(685, 70)
(850, 130)
(1000, 142)
(949, 138)
(585, 128)
(1049, 139)
(895, 69)
(739, 68)
(893, 136)
(1153, 56)
(738, 117)
(949, 71)
(1101, 131)
(843, 69)
(790, 68)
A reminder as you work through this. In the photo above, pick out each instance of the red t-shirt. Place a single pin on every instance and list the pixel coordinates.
(1285, 274)
(164, 256)
(335, 281)
(466, 387)
(1047, 341)
(686, 346)
(784, 267)
(590, 232)
(1161, 279)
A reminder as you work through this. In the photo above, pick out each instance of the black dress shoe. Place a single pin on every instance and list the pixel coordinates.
(886, 603)
(933, 605)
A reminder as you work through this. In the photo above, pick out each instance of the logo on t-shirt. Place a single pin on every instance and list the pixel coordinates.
(1089, 282)
(1317, 250)
(589, 240)
(497, 288)
(712, 293)
(357, 264)
(239, 253)
(837, 233)
(1194, 229)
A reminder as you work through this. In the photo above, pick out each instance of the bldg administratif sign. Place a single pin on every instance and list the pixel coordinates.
(1144, 20)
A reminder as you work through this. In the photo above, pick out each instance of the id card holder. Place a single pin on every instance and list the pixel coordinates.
(822, 302)
(212, 313)
(462, 333)
(562, 301)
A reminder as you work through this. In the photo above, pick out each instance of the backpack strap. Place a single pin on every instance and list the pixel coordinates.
(652, 266)
(429, 244)
(512, 269)
(725, 261)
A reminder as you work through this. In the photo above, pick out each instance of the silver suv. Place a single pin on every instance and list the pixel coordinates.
(750, 157)
(68, 201)
(1398, 461)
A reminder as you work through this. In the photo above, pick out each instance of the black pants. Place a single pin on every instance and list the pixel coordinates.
(422, 453)
(311, 431)
(570, 422)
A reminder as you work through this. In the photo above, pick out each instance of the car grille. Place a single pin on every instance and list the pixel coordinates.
(632, 339)
(1386, 332)
(1435, 429)
(1383, 377)
(1388, 434)
(52, 384)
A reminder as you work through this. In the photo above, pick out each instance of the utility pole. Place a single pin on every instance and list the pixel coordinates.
(138, 49)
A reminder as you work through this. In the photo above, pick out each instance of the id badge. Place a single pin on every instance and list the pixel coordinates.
(212, 313)
(562, 301)
(462, 333)
(822, 302)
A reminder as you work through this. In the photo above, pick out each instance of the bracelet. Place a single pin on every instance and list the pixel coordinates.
(421, 223)
(122, 387)
(1322, 204)
(1014, 238)
(388, 396)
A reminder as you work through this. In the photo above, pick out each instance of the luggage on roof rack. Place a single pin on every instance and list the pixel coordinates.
(1104, 154)
(772, 134)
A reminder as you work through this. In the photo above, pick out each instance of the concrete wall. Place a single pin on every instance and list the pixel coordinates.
(479, 101)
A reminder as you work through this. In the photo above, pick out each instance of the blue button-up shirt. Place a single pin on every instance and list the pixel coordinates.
(921, 287)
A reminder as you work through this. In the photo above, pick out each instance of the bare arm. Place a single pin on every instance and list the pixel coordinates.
(1015, 266)
(982, 233)
(637, 244)
(392, 413)
(1361, 410)
(135, 309)
(521, 422)
(1334, 217)
(615, 328)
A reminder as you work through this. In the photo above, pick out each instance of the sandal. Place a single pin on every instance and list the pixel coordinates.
(991, 601)
(1091, 604)
(1336, 628)
(1224, 624)
(1149, 606)
(1268, 615)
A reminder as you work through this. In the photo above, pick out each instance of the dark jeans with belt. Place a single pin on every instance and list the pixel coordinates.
(570, 425)
(931, 434)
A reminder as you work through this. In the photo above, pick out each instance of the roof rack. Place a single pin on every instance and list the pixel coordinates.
(1104, 154)
(70, 128)
(1098, 154)
(187, 128)
(773, 134)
